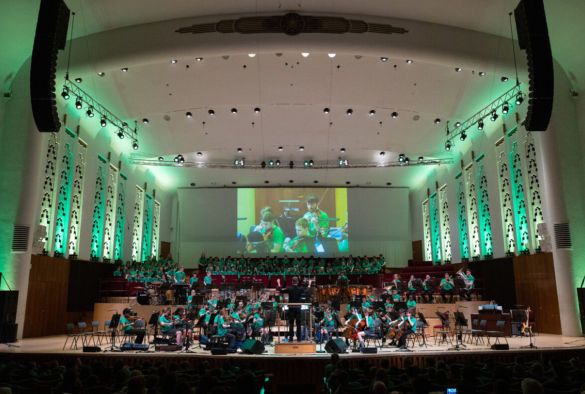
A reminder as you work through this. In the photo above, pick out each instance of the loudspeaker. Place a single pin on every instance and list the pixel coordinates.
(167, 347)
(50, 36)
(219, 351)
(8, 332)
(252, 346)
(581, 299)
(369, 350)
(336, 345)
(533, 37)
(500, 346)
(92, 349)
(133, 346)
(8, 304)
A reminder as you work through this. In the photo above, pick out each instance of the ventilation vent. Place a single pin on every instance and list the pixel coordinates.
(562, 236)
(20, 239)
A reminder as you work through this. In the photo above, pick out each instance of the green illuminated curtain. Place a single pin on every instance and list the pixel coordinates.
(63, 203)
(506, 206)
(533, 192)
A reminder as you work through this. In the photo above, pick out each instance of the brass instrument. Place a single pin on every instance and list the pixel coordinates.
(465, 278)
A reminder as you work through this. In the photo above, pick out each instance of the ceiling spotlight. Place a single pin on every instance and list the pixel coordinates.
(89, 112)
(291, 164)
(519, 99)
(494, 116)
(301, 148)
(349, 111)
(251, 54)
(342, 150)
(271, 163)
(457, 124)
(280, 148)
(325, 111)
(277, 162)
(78, 80)
(382, 153)
(121, 134)
(256, 110)
(211, 112)
(199, 154)
(401, 157)
(372, 112)
(311, 163)
(103, 122)
(408, 61)
(306, 163)
(343, 162)
(65, 93)
(482, 73)
(384, 59)
(263, 164)
(505, 108)
(331, 55)
(406, 160)
(420, 159)
(463, 136)
(394, 115)
(135, 145)
(198, 59)
(234, 111)
(160, 158)
(447, 146)
(101, 74)
(504, 79)
(145, 121)
(437, 121)
(125, 69)
(174, 61)
(458, 69)
(176, 159)
(305, 54)
(189, 115)
(78, 104)
(480, 125)
(240, 150)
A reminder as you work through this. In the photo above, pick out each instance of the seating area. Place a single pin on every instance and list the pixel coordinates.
(549, 375)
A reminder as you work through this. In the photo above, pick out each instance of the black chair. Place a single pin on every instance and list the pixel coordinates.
(498, 333)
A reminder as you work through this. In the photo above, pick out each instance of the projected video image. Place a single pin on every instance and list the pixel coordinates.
(299, 220)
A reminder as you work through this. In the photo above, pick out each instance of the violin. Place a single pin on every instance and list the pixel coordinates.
(268, 234)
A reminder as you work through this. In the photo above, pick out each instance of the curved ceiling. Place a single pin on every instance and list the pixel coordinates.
(292, 90)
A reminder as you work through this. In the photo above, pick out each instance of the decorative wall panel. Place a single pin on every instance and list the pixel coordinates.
(64, 201)
(428, 248)
(445, 227)
(110, 213)
(137, 224)
(49, 192)
(77, 198)
(97, 223)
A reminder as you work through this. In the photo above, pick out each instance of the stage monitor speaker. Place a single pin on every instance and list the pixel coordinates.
(336, 345)
(369, 350)
(50, 36)
(219, 351)
(168, 347)
(533, 37)
(8, 304)
(500, 346)
(252, 346)
(133, 346)
(8, 332)
(581, 299)
(92, 349)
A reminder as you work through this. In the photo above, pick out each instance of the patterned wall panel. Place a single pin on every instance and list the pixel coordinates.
(506, 206)
(49, 192)
(120, 219)
(485, 219)
(533, 192)
(64, 201)
(462, 220)
(137, 224)
(110, 213)
(147, 227)
(77, 198)
(435, 228)
(521, 217)
(155, 229)
(97, 224)
(472, 212)
(428, 248)
(445, 228)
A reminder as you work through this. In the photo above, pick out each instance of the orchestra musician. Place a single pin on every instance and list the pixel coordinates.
(410, 322)
(303, 242)
(128, 323)
(190, 303)
(369, 329)
(204, 317)
(447, 286)
(207, 280)
(272, 235)
(395, 283)
(167, 325)
(317, 218)
(327, 325)
(469, 281)
(183, 327)
(427, 293)
(411, 287)
(222, 320)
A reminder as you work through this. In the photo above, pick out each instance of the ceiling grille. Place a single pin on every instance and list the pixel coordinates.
(562, 236)
(20, 238)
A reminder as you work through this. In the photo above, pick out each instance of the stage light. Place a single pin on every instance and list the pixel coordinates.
(306, 163)
(349, 112)
(311, 163)
(199, 154)
(382, 153)
(291, 164)
(372, 112)
(325, 111)
(103, 122)
(331, 55)
(280, 148)
(342, 162)
(256, 110)
(519, 99)
(394, 115)
(145, 121)
(174, 61)
(457, 124)
(135, 146)
(458, 69)
(251, 54)
(277, 163)
(271, 163)
(189, 115)
(125, 69)
(504, 79)
(420, 159)
(401, 157)
(342, 150)
(89, 112)
(463, 136)
(384, 59)
(263, 164)
(160, 158)
(406, 160)
(101, 73)
(65, 93)
(505, 108)
(198, 59)
(181, 159)
(409, 61)
(234, 111)
(447, 146)
(211, 112)
(437, 121)
(121, 134)
(236, 162)
(301, 148)
(482, 73)
(239, 150)
(176, 159)
(494, 116)
(78, 104)
(480, 125)
(305, 54)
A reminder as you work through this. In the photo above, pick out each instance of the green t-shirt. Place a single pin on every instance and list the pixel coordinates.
(446, 284)
(259, 320)
(166, 327)
(207, 280)
(410, 304)
(277, 237)
(323, 223)
(124, 320)
(221, 330)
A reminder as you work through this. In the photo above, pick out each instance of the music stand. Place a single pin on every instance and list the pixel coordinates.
(460, 321)
(424, 324)
(444, 324)
(153, 321)
(114, 322)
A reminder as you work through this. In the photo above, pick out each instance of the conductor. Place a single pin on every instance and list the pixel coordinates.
(295, 295)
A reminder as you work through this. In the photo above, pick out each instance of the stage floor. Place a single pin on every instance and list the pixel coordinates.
(543, 342)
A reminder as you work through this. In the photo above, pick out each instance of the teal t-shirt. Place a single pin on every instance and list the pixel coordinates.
(221, 330)
(277, 237)
(446, 284)
(123, 321)
(207, 280)
(410, 304)
(164, 328)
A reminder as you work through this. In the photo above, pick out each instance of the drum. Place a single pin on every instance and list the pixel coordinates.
(142, 298)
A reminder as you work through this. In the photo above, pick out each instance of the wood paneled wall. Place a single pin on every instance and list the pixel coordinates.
(46, 304)
(536, 287)
(417, 250)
